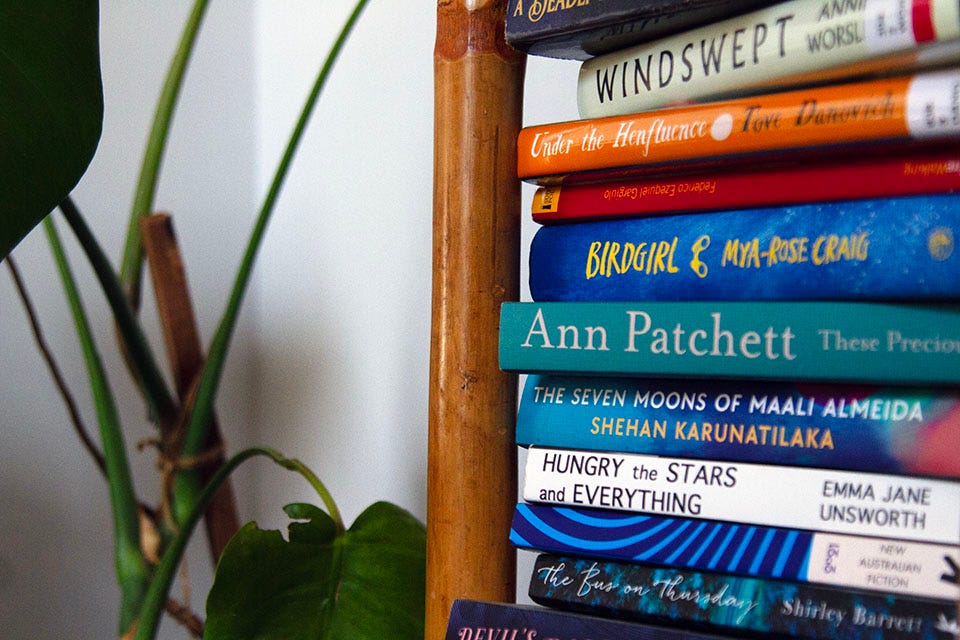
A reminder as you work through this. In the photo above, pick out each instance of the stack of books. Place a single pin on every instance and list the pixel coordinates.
(741, 414)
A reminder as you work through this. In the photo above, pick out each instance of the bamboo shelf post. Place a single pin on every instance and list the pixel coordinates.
(471, 469)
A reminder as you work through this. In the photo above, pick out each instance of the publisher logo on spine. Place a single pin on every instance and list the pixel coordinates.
(940, 243)
(722, 127)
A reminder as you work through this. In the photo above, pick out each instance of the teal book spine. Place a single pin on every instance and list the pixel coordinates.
(830, 341)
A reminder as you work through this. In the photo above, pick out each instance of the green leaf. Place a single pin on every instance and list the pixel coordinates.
(51, 107)
(366, 583)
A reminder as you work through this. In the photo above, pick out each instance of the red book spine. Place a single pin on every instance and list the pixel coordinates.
(919, 172)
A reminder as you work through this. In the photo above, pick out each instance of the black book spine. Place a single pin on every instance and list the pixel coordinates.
(579, 29)
(722, 602)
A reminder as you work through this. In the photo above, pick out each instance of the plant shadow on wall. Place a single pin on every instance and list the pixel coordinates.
(322, 580)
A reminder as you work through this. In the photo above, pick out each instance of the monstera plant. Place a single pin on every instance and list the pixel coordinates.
(320, 580)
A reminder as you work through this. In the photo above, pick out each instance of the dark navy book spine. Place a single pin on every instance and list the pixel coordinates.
(897, 248)
(733, 604)
(579, 29)
(479, 620)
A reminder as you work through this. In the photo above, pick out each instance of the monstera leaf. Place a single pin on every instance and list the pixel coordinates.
(51, 107)
(365, 583)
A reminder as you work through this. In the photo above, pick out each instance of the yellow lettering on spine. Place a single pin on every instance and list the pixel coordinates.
(736, 433)
(607, 257)
(629, 255)
(706, 431)
(593, 260)
(827, 442)
(645, 429)
(623, 427)
(833, 248)
(797, 440)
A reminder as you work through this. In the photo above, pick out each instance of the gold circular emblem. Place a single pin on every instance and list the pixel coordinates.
(940, 243)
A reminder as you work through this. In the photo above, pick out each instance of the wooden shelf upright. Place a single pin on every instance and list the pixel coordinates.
(471, 469)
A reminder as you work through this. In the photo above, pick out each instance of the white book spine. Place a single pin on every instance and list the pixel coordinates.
(892, 566)
(785, 42)
(889, 506)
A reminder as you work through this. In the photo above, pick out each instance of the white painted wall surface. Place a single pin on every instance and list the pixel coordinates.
(330, 361)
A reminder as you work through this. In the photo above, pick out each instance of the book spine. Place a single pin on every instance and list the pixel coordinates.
(723, 602)
(856, 503)
(789, 39)
(876, 248)
(478, 620)
(895, 430)
(923, 106)
(580, 29)
(863, 342)
(870, 177)
(892, 566)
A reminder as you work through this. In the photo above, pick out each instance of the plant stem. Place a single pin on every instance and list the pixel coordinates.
(295, 465)
(154, 601)
(140, 356)
(54, 368)
(132, 570)
(186, 483)
(131, 266)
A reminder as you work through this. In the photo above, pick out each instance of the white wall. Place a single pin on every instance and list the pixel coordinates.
(330, 362)
(344, 283)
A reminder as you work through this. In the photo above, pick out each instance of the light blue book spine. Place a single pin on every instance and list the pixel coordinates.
(830, 341)
(885, 429)
(881, 248)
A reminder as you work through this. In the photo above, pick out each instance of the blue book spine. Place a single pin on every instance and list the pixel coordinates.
(763, 552)
(884, 248)
(478, 620)
(897, 430)
(722, 602)
(861, 342)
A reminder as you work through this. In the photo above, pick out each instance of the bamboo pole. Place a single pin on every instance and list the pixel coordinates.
(471, 470)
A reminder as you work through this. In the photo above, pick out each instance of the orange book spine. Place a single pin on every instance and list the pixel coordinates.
(921, 106)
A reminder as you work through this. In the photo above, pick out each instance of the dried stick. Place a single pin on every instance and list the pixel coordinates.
(185, 356)
(182, 614)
